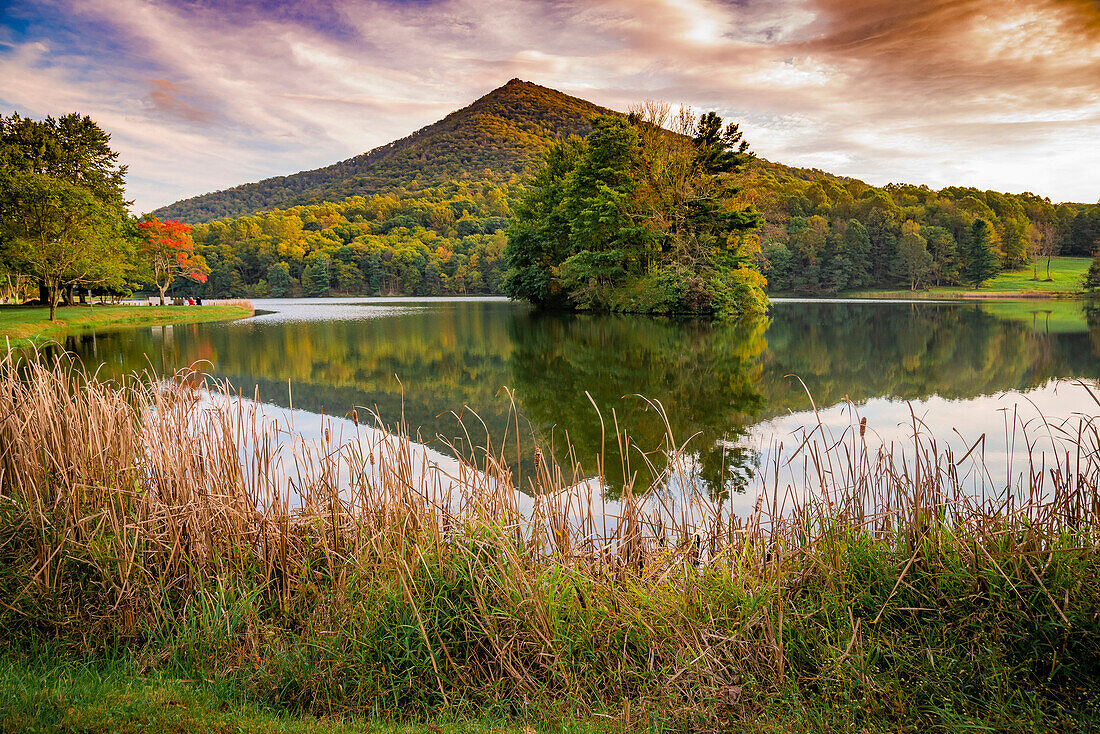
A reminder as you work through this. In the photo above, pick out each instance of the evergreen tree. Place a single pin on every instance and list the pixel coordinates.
(979, 259)
(278, 280)
(1092, 277)
(317, 278)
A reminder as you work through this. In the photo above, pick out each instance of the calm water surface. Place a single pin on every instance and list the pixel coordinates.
(733, 389)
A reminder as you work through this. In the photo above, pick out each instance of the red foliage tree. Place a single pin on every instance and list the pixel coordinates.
(169, 251)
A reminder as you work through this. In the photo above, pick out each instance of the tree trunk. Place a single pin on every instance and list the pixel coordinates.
(54, 293)
(68, 293)
(162, 290)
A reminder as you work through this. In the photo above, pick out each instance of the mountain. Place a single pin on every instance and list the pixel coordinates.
(495, 138)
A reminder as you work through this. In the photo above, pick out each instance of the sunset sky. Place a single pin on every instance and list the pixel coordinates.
(202, 95)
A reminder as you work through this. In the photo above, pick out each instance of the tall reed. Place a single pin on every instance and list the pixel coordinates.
(169, 518)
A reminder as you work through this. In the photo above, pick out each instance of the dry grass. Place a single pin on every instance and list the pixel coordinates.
(356, 575)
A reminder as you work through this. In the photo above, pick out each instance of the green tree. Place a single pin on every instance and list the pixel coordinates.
(1092, 277)
(62, 235)
(979, 260)
(857, 248)
(638, 218)
(278, 280)
(539, 236)
(317, 278)
(914, 262)
(62, 212)
(945, 254)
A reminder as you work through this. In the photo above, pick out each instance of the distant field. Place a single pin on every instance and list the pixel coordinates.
(1067, 275)
(23, 326)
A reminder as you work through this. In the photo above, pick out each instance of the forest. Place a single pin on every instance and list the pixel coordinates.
(821, 235)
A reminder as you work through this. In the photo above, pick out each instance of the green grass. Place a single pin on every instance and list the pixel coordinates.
(46, 691)
(24, 326)
(1066, 277)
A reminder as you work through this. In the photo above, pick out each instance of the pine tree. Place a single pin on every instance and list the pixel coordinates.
(980, 261)
(1092, 278)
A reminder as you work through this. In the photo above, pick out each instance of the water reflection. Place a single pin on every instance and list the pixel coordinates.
(421, 362)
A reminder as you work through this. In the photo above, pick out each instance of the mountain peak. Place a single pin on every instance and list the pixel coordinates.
(496, 137)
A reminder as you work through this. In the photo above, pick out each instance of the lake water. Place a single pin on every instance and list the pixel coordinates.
(735, 390)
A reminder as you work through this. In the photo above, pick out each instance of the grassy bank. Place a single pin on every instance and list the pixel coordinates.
(865, 590)
(26, 325)
(1067, 274)
(47, 690)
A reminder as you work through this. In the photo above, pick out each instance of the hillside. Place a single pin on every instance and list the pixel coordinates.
(427, 214)
(494, 138)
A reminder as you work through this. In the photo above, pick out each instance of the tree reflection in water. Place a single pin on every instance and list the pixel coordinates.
(423, 363)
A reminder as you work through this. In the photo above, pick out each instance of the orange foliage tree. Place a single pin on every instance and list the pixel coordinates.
(169, 251)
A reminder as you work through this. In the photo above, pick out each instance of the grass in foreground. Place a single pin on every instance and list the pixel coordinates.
(43, 692)
(867, 590)
(26, 325)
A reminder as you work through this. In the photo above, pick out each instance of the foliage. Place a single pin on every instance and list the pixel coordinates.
(60, 234)
(63, 218)
(169, 252)
(637, 218)
(459, 178)
(1092, 277)
(494, 139)
(979, 260)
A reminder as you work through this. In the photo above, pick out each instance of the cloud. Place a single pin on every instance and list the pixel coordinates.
(174, 101)
(202, 95)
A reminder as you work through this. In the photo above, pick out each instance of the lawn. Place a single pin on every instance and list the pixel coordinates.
(1066, 277)
(49, 691)
(23, 326)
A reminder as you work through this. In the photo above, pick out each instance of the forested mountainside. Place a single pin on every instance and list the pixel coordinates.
(427, 214)
(495, 138)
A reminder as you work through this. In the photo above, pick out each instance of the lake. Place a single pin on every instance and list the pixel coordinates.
(457, 373)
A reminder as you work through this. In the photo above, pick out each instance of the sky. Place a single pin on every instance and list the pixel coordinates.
(201, 95)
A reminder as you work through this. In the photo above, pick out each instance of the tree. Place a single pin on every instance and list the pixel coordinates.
(945, 254)
(169, 252)
(278, 280)
(914, 262)
(62, 210)
(61, 234)
(316, 278)
(1043, 238)
(640, 218)
(980, 261)
(73, 148)
(1092, 277)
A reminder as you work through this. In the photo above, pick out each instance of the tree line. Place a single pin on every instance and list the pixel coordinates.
(821, 235)
(65, 227)
(824, 235)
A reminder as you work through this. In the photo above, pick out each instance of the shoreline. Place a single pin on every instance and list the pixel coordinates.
(23, 326)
